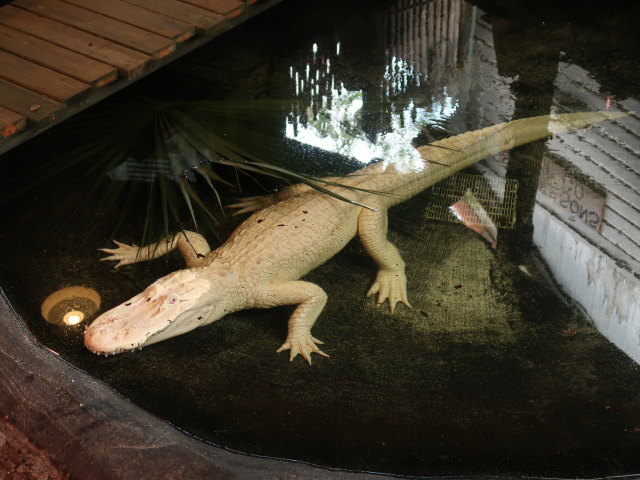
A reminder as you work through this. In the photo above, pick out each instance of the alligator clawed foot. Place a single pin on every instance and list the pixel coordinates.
(252, 204)
(124, 254)
(390, 285)
(303, 344)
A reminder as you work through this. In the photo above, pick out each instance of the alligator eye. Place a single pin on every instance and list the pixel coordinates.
(171, 299)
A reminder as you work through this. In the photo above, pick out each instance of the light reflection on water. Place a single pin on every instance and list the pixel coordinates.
(326, 115)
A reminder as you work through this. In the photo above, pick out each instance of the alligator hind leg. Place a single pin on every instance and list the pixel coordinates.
(391, 282)
(310, 299)
(192, 246)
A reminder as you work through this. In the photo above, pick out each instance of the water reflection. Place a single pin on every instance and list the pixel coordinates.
(419, 50)
(424, 41)
(335, 126)
(438, 67)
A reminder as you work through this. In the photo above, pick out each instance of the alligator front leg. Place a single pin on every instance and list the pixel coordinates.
(391, 282)
(310, 299)
(192, 246)
(260, 202)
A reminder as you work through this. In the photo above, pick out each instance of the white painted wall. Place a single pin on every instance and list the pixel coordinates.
(610, 295)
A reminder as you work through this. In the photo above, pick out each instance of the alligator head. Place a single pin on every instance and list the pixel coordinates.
(171, 306)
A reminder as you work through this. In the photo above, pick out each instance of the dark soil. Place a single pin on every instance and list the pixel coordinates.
(21, 460)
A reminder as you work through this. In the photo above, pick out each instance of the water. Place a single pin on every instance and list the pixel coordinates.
(493, 372)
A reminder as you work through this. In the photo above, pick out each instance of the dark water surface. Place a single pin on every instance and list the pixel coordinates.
(493, 372)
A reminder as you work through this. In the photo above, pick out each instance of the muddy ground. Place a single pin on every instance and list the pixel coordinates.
(21, 460)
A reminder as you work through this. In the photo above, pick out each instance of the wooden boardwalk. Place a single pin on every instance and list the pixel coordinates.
(58, 57)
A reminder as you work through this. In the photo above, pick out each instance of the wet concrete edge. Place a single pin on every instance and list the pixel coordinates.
(95, 434)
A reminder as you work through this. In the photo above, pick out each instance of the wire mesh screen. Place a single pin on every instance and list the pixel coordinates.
(495, 195)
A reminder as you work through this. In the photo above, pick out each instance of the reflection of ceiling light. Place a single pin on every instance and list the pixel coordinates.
(338, 130)
(332, 121)
(70, 306)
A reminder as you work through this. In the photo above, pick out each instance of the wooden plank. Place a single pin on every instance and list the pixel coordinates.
(237, 11)
(130, 63)
(10, 122)
(114, 30)
(39, 110)
(203, 20)
(56, 58)
(222, 7)
(139, 17)
(40, 79)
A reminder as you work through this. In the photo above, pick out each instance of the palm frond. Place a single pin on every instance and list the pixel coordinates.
(184, 160)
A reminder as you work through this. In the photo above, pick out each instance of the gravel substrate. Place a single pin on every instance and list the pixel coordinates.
(21, 460)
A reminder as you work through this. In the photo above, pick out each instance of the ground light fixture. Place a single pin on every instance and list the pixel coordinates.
(70, 306)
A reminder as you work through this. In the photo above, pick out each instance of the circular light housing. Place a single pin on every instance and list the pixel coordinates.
(70, 306)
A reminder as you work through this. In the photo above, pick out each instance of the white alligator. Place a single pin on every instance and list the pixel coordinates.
(292, 232)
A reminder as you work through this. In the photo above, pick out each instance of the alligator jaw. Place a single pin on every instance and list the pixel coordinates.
(174, 304)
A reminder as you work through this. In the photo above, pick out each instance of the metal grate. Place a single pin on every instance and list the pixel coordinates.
(497, 196)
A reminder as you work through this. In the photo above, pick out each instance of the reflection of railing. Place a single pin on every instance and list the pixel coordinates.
(608, 156)
(424, 45)
(423, 41)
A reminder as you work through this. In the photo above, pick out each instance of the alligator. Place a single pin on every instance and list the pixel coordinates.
(291, 232)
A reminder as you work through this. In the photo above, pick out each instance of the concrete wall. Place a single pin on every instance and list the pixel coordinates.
(597, 265)
(609, 294)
